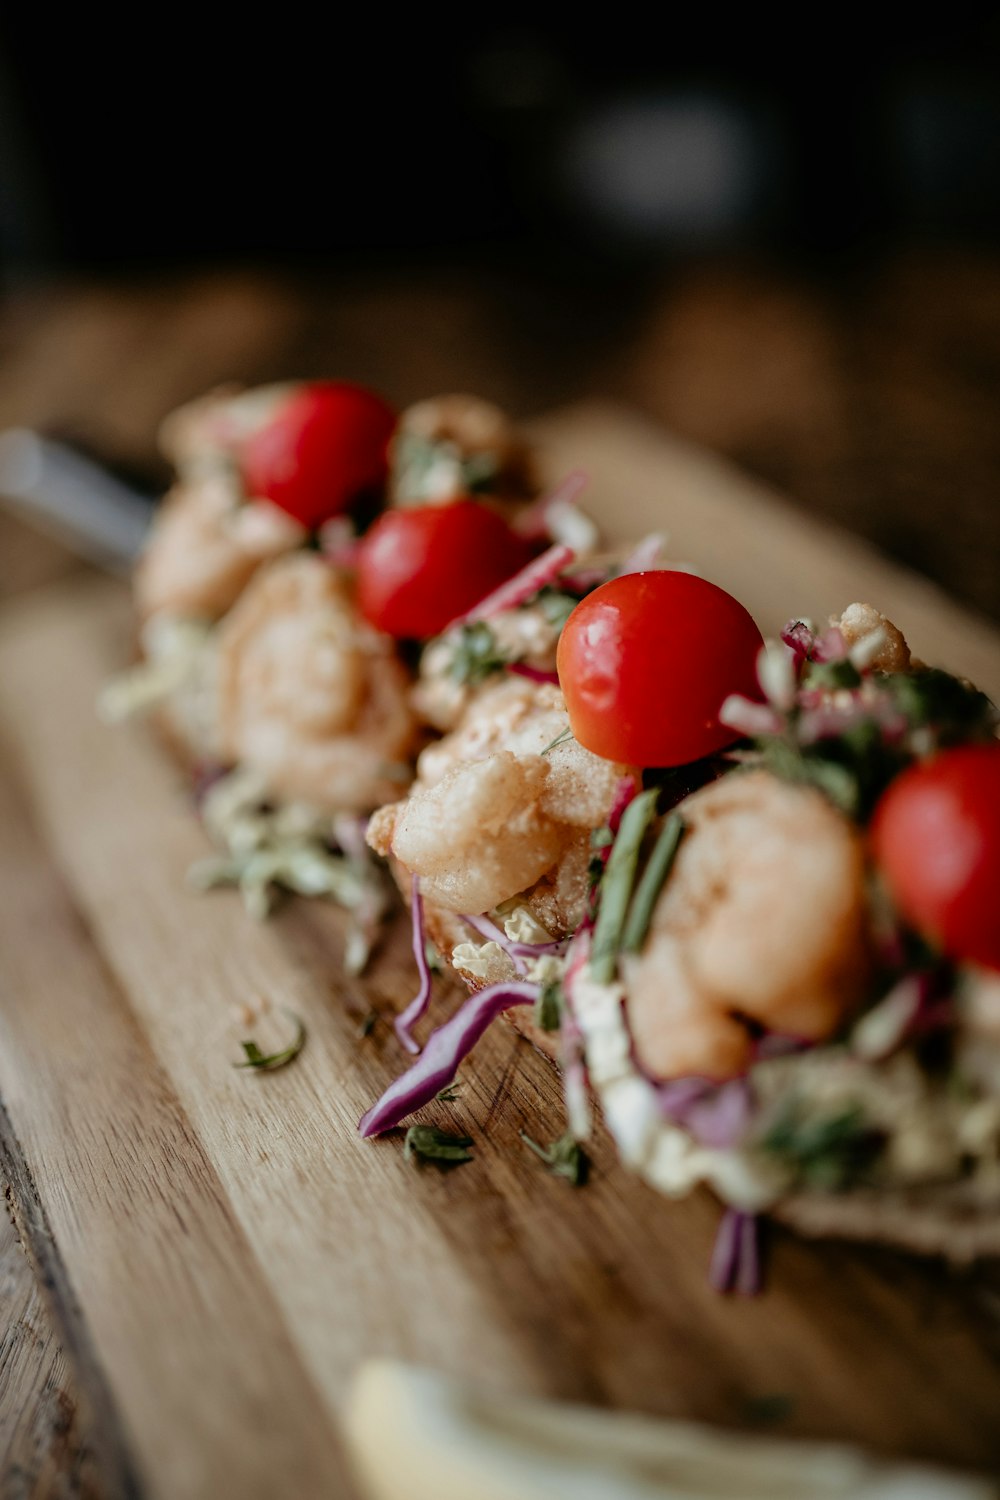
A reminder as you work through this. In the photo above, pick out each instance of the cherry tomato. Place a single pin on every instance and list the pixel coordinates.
(645, 662)
(325, 446)
(419, 568)
(936, 839)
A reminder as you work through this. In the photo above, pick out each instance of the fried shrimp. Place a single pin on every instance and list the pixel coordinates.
(460, 664)
(447, 446)
(492, 817)
(204, 548)
(762, 920)
(883, 645)
(209, 537)
(311, 697)
(479, 835)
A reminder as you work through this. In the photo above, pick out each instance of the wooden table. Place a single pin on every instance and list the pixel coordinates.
(783, 377)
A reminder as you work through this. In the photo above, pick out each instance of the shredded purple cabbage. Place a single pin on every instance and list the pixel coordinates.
(716, 1114)
(534, 521)
(349, 835)
(522, 587)
(517, 952)
(735, 1263)
(643, 558)
(779, 1044)
(438, 1063)
(418, 1005)
(808, 646)
(206, 774)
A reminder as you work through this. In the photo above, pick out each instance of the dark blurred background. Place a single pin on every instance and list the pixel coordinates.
(783, 241)
(353, 134)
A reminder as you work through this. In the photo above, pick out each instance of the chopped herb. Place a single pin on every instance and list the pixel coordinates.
(476, 655)
(368, 1024)
(433, 957)
(867, 727)
(827, 1154)
(556, 605)
(480, 469)
(269, 1062)
(651, 882)
(564, 1158)
(560, 739)
(830, 675)
(840, 782)
(952, 707)
(448, 1095)
(616, 886)
(549, 1007)
(432, 1144)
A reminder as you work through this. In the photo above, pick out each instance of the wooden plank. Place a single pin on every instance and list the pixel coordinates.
(43, 1433)
(743, 535)
(232, 1249)
(127, 1195)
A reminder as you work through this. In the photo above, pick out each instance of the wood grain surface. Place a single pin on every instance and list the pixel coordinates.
(220, 1248)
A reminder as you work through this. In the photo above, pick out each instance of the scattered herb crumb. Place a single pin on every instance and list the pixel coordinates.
(476, 656)
(448, 1095)
(441, 1146)
(564, 1158)
(269, 1062)
(368, 1024)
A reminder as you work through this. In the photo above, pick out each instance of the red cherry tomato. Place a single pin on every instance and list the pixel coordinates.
(419, 568)
(645, 662)
(936, 839)
(324, 447)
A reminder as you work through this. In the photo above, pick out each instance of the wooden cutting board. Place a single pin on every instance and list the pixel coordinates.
(220, 1248)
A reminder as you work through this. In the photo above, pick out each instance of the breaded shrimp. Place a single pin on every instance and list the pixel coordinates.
(452, 670)
(479, 835)
(862, 626)
(448, 445)
(209, 537)
(204, 548)
(491, 817)
(762, 918)
(310, 696)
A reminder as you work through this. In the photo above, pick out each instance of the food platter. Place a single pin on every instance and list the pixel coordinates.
(222, 1250)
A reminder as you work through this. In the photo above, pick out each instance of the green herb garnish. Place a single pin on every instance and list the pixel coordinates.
(556, 605)
(549, 1006)
(441, 1146)
(560, 739)
(616, 885)
(476, 655)
(827, 1154)
(368, 1024)
(953, 708)
(448, 1095)
(564, 1158)
(269, 1062)
(479, 470)
(832, 674)
(651, 883)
